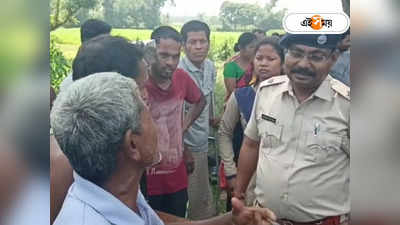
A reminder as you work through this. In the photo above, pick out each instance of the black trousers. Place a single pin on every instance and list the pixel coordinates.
(174, 203)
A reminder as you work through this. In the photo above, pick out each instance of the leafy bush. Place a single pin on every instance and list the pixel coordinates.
(225, 50)
(220, 52)
(59, 65)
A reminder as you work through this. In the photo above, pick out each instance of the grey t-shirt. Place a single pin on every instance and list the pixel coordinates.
(196, 137)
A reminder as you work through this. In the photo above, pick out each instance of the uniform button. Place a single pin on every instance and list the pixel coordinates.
(284, 196)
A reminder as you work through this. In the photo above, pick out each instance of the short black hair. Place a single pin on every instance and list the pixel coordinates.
(106, 53)
(195, 26)
(166, 32)
(244, 39)
(258, 31)
(92, 28)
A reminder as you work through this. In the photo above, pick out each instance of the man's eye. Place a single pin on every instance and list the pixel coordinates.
(316, 58)
(297, 54)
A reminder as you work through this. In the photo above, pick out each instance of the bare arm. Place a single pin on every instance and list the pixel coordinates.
(247, 166)
(194, 112)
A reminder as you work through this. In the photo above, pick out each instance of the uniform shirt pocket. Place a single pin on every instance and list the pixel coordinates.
(271, 136)
(322, 146)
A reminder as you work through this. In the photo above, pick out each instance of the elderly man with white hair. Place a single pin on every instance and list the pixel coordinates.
(106, 132)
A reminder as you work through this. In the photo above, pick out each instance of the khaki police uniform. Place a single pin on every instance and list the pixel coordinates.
(303, 167)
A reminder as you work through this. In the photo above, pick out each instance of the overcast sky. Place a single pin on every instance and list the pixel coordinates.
(211, 7)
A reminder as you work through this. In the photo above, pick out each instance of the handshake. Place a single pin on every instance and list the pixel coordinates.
(242, 215)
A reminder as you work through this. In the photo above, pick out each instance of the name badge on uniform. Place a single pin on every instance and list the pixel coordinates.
(268, 118)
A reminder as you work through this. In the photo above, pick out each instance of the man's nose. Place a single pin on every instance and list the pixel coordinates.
(198, 45)
(304, 62)
(170, 61)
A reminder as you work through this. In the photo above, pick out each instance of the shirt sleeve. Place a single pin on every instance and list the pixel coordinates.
(193, 93)
(228, 122)
(229, 70)
(251, 130)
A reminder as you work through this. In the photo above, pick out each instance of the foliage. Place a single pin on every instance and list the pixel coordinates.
(271, 20)
(234, 14)
(127, 13)
(59, 65)
(64, 11)
(242, 15)
(222, 51)
(118, 13)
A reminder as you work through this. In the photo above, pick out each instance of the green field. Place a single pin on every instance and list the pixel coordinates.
(69, 39)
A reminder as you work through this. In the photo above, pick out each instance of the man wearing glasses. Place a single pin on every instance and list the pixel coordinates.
(298, 135)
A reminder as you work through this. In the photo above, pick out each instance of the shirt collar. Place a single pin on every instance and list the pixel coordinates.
(323, 91)
(191, 67)
(105, 203)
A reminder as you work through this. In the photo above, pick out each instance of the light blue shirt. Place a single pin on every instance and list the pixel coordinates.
(196, 137)
(66, 82)
(32, 203)
(89, 204)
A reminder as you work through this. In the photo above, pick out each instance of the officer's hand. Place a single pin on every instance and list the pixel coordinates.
(188, 160)
(242, 215)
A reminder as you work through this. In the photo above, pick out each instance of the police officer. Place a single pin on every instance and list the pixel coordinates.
(297, 139)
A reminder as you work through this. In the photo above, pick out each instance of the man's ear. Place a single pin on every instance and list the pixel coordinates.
(335, 55)
(130, 143)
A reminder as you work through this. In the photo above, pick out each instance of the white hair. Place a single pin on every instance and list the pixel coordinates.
(90, 120)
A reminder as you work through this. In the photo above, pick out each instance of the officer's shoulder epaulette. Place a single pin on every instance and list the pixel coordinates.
(340, 88)
(274, 81)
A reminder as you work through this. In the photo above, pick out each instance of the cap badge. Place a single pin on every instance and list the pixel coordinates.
(322, 39)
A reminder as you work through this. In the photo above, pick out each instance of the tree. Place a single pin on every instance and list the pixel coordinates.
(124, 14)
(150, 13)
(227, 15)
(247, 14)
(108, 6)
(64, 11)
(95, 13)
(270, 19)
(244, 15)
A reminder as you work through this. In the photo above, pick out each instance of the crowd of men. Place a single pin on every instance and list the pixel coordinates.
(130, 129)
